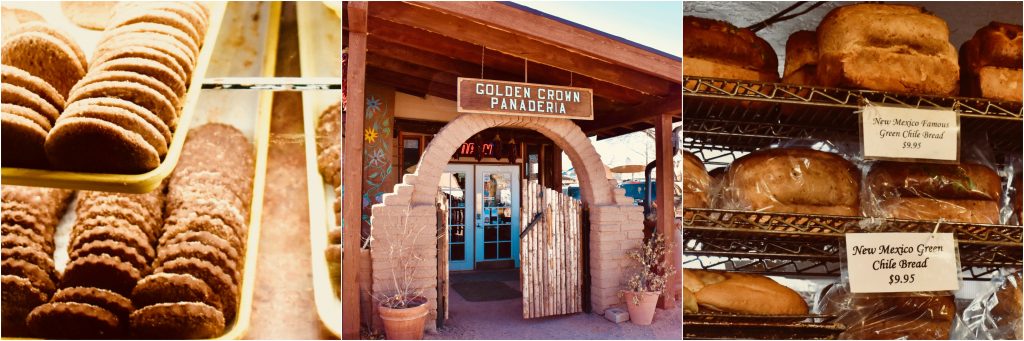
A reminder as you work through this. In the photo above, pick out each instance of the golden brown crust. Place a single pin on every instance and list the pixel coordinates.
(1000, 45)
(19, 77)
(124, 119)
(939, 181)
(745, 294)
(801, 51)
(14, 94)
(150, 68)
(132, 92)
(24, 50)
(726, 43)
(777, 179)
(696, 181)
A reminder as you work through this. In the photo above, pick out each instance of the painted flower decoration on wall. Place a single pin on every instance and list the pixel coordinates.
(377, 158)
(370, 135)
(373, 105)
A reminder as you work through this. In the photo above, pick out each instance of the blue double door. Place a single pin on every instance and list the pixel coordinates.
(483, 214)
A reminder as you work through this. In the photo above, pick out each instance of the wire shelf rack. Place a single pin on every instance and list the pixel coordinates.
(739, 115)
(810, 245)
(732, 326)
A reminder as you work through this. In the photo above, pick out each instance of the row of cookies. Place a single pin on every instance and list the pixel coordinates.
(30, 217)
(109, 251)
(120, 116)
(328, 148)
(193, 291)
(34, 91)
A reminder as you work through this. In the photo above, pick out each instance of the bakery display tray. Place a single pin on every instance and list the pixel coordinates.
(129, 183)
(718, 326)
(805, 244)
(319, 43)
(740, 115)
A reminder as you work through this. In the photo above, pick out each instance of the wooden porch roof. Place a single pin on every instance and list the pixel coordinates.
(421, 48)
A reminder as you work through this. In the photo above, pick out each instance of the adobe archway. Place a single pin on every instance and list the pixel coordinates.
(616, 224)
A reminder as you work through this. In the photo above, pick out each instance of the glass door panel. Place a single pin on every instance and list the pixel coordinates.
(498, 219)
(460, 229)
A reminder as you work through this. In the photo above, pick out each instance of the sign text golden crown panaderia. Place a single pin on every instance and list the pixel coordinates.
(484, 96)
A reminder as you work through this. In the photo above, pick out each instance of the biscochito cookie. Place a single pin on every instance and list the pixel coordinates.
(35, 256)
(171, 288)
(93, 15)
(126, 120)
(328, 127)
(129, 76)
(137, 203)
(23, 142)
(60, 35)
(221, 283)
(132, 92)
(10, 229)
(92, 145)
(136, 109)
(136, 240)
(147, 67)
(200, 251)
(179, 320)
(192, 182)
(156, 16)
(106, 299)
(72, 320)
(101, 271)
(113, 248)
(12, 240)
(15, 17)
(34, 273)
(13, 94)
(163, 38)
(211, 225)
(26, 51)
(329, 162)
(136, 51)
(38, 86)
(212, 208)
(206, 238)
(20, 297)
(27, 113)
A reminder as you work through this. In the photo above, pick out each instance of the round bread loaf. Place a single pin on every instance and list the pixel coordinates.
(742, 293)
(889, 316)
(795, 180)
(696, 182)
(725, 43)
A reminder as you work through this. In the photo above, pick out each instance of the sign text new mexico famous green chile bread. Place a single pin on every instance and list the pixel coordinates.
(486, 96)
(901, 262)
(898, 133)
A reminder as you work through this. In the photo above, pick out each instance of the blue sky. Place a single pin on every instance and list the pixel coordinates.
(656, 24)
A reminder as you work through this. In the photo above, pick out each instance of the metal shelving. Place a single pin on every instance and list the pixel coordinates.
(732, 326)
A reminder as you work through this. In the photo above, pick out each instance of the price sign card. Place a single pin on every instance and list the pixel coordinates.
(902, 262)
(898, 133)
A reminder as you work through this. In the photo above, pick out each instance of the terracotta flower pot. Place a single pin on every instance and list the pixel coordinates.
(404, 323)
(643, 313)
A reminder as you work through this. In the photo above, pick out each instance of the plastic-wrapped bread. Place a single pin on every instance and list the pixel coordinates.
(696, 182)
(963, 192)
(889, 316)
(991, 63)
(896, 48)
(740, 293)
(792, 180)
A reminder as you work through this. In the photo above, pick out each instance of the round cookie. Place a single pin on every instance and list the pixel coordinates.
(35, 256)
(328, 128)
(28, 113)
(11, 241)
(112, 248)
(13, 94)
(38, 86)
(92, 145)
(164, 38)
(19, 297)
(211, 207)
(132, 92)
(25, 216)
(45, 57)
(181, 320)
(147, 67)
(202, 223)
(124, 119)
(200, 251)
(209, 239)
(134, 202)
(72, 321)
(47, 244)
(135, 51)
(139, 110)
(186, 178)
(171, 19)
(136, 239)
(171, 288)
(221, 283)
(34, 273)
(123, 212)
(329, 164)
(93, 15)
(23, 142)
(101, 271)
(193, 15)
(15, 17)
(45, 28)
(106, 299)
(129, 76)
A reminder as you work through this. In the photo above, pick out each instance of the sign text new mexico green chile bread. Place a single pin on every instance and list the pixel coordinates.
(901, 262)
(486, 96)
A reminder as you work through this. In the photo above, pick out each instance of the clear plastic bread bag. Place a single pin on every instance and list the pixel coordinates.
(924, 315)
(1010, 207)
(996, 314)
(805, 176)
(969, 191)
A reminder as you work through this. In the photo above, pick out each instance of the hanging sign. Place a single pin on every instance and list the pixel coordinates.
(907, 134)
(484, 96)
(902, 262)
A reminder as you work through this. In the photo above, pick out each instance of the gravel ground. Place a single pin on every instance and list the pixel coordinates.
(504, 320)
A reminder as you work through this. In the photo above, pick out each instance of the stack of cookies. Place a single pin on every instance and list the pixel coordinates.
(120, 116)
(40, 65)
(30, 217)
(193, 290)
(328, 157)
(110, 250)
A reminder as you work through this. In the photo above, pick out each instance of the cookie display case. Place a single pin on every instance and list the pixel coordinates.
(725, 119)
(245, 46)
(319, 39)
(130, 183)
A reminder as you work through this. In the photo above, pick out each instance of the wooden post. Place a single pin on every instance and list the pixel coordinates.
(665, 179)
(352, 171)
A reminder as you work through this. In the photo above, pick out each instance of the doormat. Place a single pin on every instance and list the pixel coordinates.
(478, 276)
(484, 291)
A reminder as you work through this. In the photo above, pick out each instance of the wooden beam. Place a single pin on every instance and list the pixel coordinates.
(665, 214)
(410, 84)
(446, 54)
(569, 37)
(352, 169)
(671, 105)
(441, 78)
(413, 14)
